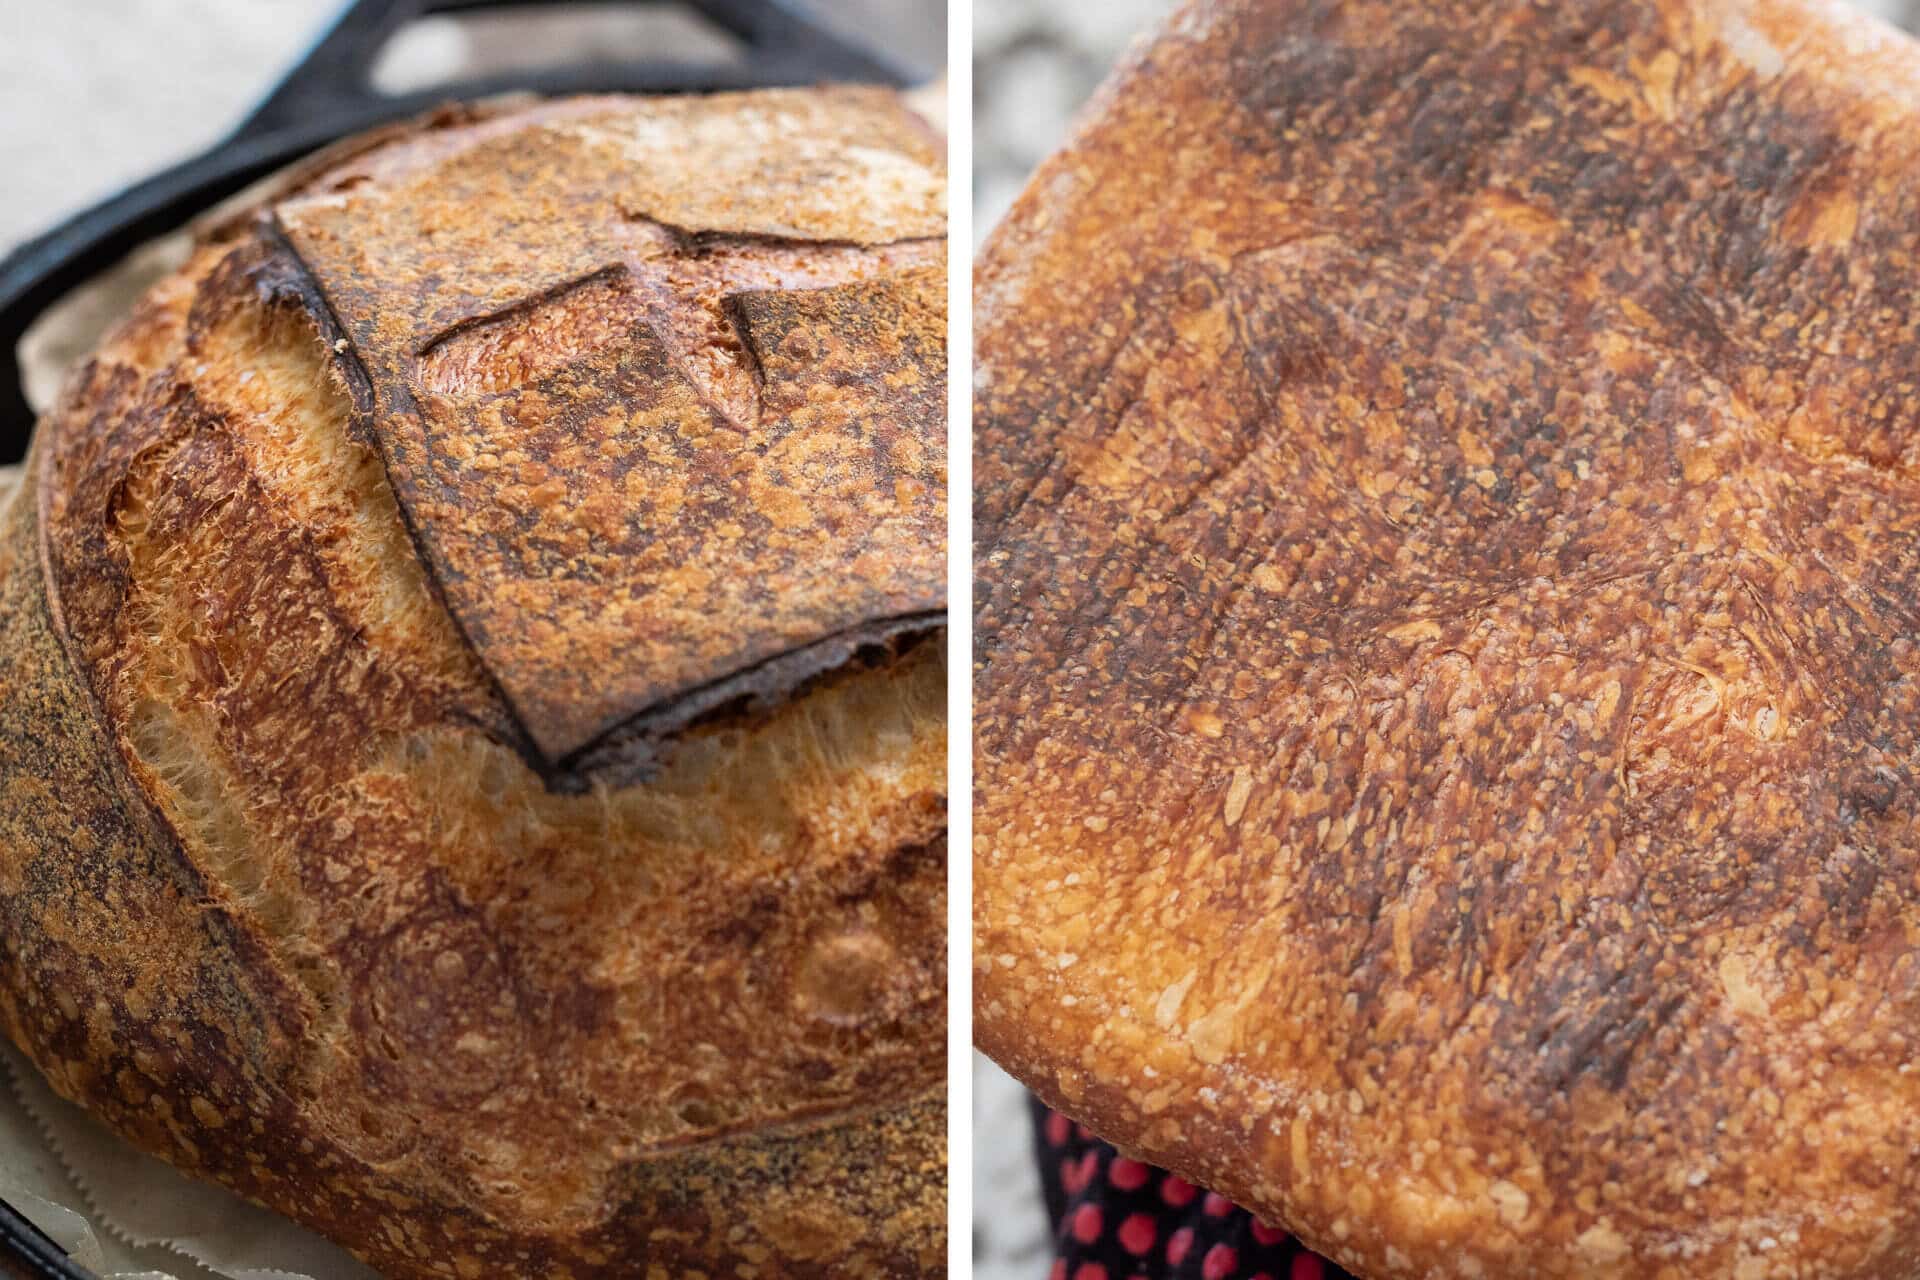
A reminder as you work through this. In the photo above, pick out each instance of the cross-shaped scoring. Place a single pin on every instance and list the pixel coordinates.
(661, 388)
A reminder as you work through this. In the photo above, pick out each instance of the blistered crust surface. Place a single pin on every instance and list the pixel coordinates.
(577, 331)
(1446, 680)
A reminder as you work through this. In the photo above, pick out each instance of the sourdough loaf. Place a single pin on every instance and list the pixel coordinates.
(1448, 700)
(471, 711)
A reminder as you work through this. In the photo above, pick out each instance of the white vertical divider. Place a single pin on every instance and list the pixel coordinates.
(960, 239)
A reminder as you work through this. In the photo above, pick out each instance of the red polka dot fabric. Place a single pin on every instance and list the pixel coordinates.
(1118, 1219)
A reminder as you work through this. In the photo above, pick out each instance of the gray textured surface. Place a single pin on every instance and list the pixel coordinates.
(1010, 1240)
(94, 95)
(1034, 63)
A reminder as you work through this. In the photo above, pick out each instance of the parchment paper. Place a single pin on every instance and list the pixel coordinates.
(127, 1215)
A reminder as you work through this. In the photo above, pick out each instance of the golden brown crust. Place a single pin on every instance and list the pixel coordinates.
(570, 324)
(287, 903)
(1446, 725)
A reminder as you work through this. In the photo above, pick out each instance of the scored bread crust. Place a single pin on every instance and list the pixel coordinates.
(1445, 705)
(320, 878)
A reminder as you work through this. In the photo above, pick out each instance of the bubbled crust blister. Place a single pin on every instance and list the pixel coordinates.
(293, 896)
(1446, 690)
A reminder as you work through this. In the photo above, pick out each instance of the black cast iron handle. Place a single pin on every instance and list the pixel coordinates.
(27, 1254)
(329, 95)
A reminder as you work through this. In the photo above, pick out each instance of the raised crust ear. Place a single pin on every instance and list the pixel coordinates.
(664, 455)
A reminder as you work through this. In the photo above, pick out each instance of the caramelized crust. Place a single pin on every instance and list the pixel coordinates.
(1446, 698)
(587, 410)
(291, 895)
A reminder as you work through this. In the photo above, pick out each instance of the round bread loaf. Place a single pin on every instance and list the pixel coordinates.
(1448, 698)
(471, 698)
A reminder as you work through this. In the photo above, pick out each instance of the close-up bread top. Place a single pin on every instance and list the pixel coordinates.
(1447, 695)
(472, 697)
